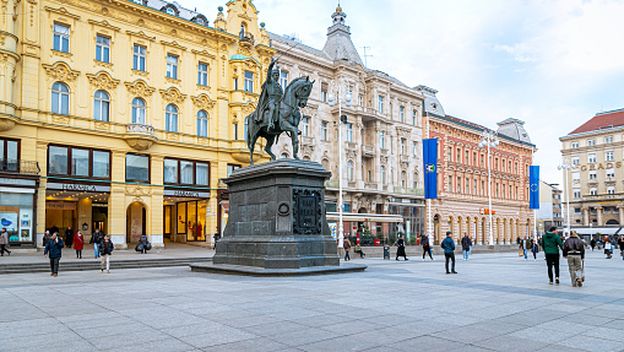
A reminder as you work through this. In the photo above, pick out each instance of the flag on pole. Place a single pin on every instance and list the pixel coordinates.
(430, 160)
(534, 187)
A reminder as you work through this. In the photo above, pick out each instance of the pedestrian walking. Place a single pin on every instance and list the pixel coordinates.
(621, 243)
(78, 244)
(347, 247)
(524, 248)
(46, 238)
(426, 247)
(4, 242)
(106, 250)
(69, 237)
(54, 250)
(466, 243)
(448, 245)
(534, 249)
(608, 248)
(574, 251)
(551, 243)
(96, 239)
(400, 243)
(592, 243)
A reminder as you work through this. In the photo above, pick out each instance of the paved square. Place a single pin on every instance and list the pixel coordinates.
(498, 302)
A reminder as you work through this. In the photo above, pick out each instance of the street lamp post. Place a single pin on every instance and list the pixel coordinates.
(489, 140)
(565, 167)
(342, 119)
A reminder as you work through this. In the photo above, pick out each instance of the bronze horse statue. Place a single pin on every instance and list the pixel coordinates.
(288, 116)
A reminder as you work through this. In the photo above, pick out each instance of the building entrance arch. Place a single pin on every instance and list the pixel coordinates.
(136, 221)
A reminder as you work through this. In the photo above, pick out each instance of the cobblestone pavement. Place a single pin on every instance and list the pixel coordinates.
(497, 302)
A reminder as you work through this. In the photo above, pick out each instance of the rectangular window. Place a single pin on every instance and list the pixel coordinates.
(61, 37)
(593, 175)
(202, 74)
(349, 127)
(574, 145)
(231, 168)
(415, 117)
(414, 148)
(283, 80)
(249, 81)
(576, 194)
(575, 160)
(235, 83)
(403, 146)
(9, 155)
(609, 156)
(591, 158)
(80, 162)
(382, 139)
(172, 66)
(576, 177)
(306, 126)
(380, 104)
(187, 172)
(591, 142)
(58, 160)
(402, 113)
(324, 89)
(324, 131)
(610, 174)
(102, 48)
(137, 168)
(202, 174)
(171, 171)
(608, 139)
(138, 59)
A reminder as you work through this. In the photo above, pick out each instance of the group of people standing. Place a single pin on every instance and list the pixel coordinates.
(53, 247)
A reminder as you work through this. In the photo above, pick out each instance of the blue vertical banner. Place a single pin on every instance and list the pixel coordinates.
(534, 202)
(430, 160)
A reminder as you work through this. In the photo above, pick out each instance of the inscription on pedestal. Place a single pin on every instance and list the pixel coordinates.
(307, 211)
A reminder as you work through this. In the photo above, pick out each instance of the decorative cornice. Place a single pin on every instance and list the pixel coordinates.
(139, 88)
(141, 34)
(61, 71)
(102, 80)
(203, 101)
(172, 95)
(173, 44)
(62, 11)
(104, 24)
(203, 52)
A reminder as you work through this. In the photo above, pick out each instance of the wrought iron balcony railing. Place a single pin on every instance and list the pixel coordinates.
(23, 167)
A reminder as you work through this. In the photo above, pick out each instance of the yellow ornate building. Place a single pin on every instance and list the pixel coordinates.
(123, 115)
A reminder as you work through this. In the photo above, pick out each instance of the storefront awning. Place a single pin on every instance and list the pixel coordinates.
(365, 217)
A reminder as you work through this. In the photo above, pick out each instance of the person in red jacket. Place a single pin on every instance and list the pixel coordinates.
(78, 244)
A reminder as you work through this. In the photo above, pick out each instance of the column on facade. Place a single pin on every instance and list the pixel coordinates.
(599, 216)
(621, 214)
(155, 217)
(116, 201)
(585, 216)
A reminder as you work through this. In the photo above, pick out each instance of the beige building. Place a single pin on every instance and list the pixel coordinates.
(123, 115)
(382, 155)
(595, 152)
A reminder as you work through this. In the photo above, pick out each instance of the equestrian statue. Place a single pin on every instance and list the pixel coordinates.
(277, 111)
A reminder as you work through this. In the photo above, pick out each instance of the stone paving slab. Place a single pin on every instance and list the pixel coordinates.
(498, 302)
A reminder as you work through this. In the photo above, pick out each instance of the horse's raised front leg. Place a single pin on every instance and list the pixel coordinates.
(267, 148)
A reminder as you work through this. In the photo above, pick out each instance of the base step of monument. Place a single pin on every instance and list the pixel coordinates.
(258, 271)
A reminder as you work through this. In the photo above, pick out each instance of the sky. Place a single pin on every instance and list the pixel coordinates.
(553, 64)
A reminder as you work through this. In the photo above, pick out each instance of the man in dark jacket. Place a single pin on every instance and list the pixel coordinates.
(54, 250)
(551, 243)
(466, 243)
(69, 236)
(106, 250)
(449, 252)
(574, 250)
(96, 239)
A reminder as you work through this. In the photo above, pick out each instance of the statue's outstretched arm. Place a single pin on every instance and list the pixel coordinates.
(271, 65)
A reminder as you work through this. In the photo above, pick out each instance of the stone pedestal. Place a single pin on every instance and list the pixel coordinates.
(277, 218)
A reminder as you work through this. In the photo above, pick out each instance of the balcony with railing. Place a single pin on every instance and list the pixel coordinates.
(20, 167)
(368, 150)
(140, 136)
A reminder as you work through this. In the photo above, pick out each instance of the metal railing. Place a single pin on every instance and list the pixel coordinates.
(23, 167)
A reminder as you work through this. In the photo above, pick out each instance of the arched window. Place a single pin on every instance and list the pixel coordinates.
(101, 106)
(138, 111)
(202, 123)
(171, 118)
(350, 171)
(382, 174)
(60, 98)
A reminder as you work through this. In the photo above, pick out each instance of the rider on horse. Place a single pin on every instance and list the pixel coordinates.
(270, 97)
